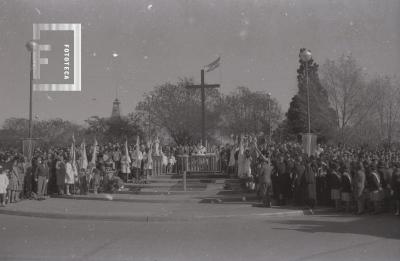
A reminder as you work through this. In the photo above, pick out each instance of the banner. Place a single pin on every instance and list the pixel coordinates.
(28, 147)
(309, 142)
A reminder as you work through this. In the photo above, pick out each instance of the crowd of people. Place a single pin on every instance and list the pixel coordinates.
(67, 170)
(350, 179)
(356, 180)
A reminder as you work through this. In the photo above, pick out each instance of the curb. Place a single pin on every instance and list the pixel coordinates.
(158, 218)
(133, 200)
(199, 200)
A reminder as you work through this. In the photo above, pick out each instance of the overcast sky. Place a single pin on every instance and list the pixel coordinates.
(159, 41)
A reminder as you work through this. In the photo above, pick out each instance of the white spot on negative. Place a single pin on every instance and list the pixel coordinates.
(243, 34)
(115, 54)
(149, 7)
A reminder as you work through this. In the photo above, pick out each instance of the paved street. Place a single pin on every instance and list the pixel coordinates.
(323, 237)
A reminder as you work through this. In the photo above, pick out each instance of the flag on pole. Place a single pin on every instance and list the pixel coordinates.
(212, 66)
(128, 159)
(83, 162)
(94, 154)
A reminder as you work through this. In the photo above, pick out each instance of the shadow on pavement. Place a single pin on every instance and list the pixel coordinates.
(383, 225)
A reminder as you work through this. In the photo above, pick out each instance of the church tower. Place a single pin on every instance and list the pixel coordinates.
(116, 112)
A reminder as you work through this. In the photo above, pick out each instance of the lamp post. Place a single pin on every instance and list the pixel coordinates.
(150, 99)
(306, 56)
(31, 46)
(269, 118)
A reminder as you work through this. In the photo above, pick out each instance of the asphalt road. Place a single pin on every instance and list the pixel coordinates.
(324, 237)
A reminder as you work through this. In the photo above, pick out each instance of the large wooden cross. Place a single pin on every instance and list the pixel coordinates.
(202, 87)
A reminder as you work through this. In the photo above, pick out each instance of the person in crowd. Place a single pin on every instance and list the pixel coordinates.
(28, 179)
(116, 157)
(231, 164)
(70, 173)
(21, 171)
(125, 168)
(83, 182)
(359, 187)
(309, 178)
(395, 188)
(3, 186)
(281, 181)
(299, 181)
(60, 174)
(265, 183)
(335, 184)
(323, 191)
(148, 162)
(42, 177)
(96, 180)
(15, 183)
(171, 163)
(386, 174)
(346, 188)
(137, 157)
(376, 192)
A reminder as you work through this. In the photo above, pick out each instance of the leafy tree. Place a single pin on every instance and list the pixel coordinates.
(53, 132)
(177, 109)
(113, 129)
(245, 111)
(323, 117)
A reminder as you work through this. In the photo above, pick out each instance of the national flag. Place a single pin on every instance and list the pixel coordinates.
(212, 66)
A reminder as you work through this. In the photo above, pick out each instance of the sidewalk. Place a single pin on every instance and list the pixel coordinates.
(143, 212)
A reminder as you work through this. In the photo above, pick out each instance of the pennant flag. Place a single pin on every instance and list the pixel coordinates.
(72, 151)
(73, 157)
(128, 159)
(83, 162)
(94, 155)
(212, 66)
(137, 144)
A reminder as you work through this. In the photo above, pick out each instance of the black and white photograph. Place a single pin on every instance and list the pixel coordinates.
(180, 130)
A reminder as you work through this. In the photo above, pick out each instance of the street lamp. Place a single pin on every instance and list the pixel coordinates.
(305, 56)
(32, 47)
(269, 117)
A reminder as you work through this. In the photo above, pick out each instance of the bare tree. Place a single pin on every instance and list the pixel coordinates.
(387, 99)
(348, 93)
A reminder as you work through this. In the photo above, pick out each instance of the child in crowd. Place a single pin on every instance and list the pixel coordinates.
(3, 186)
(171, 163)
